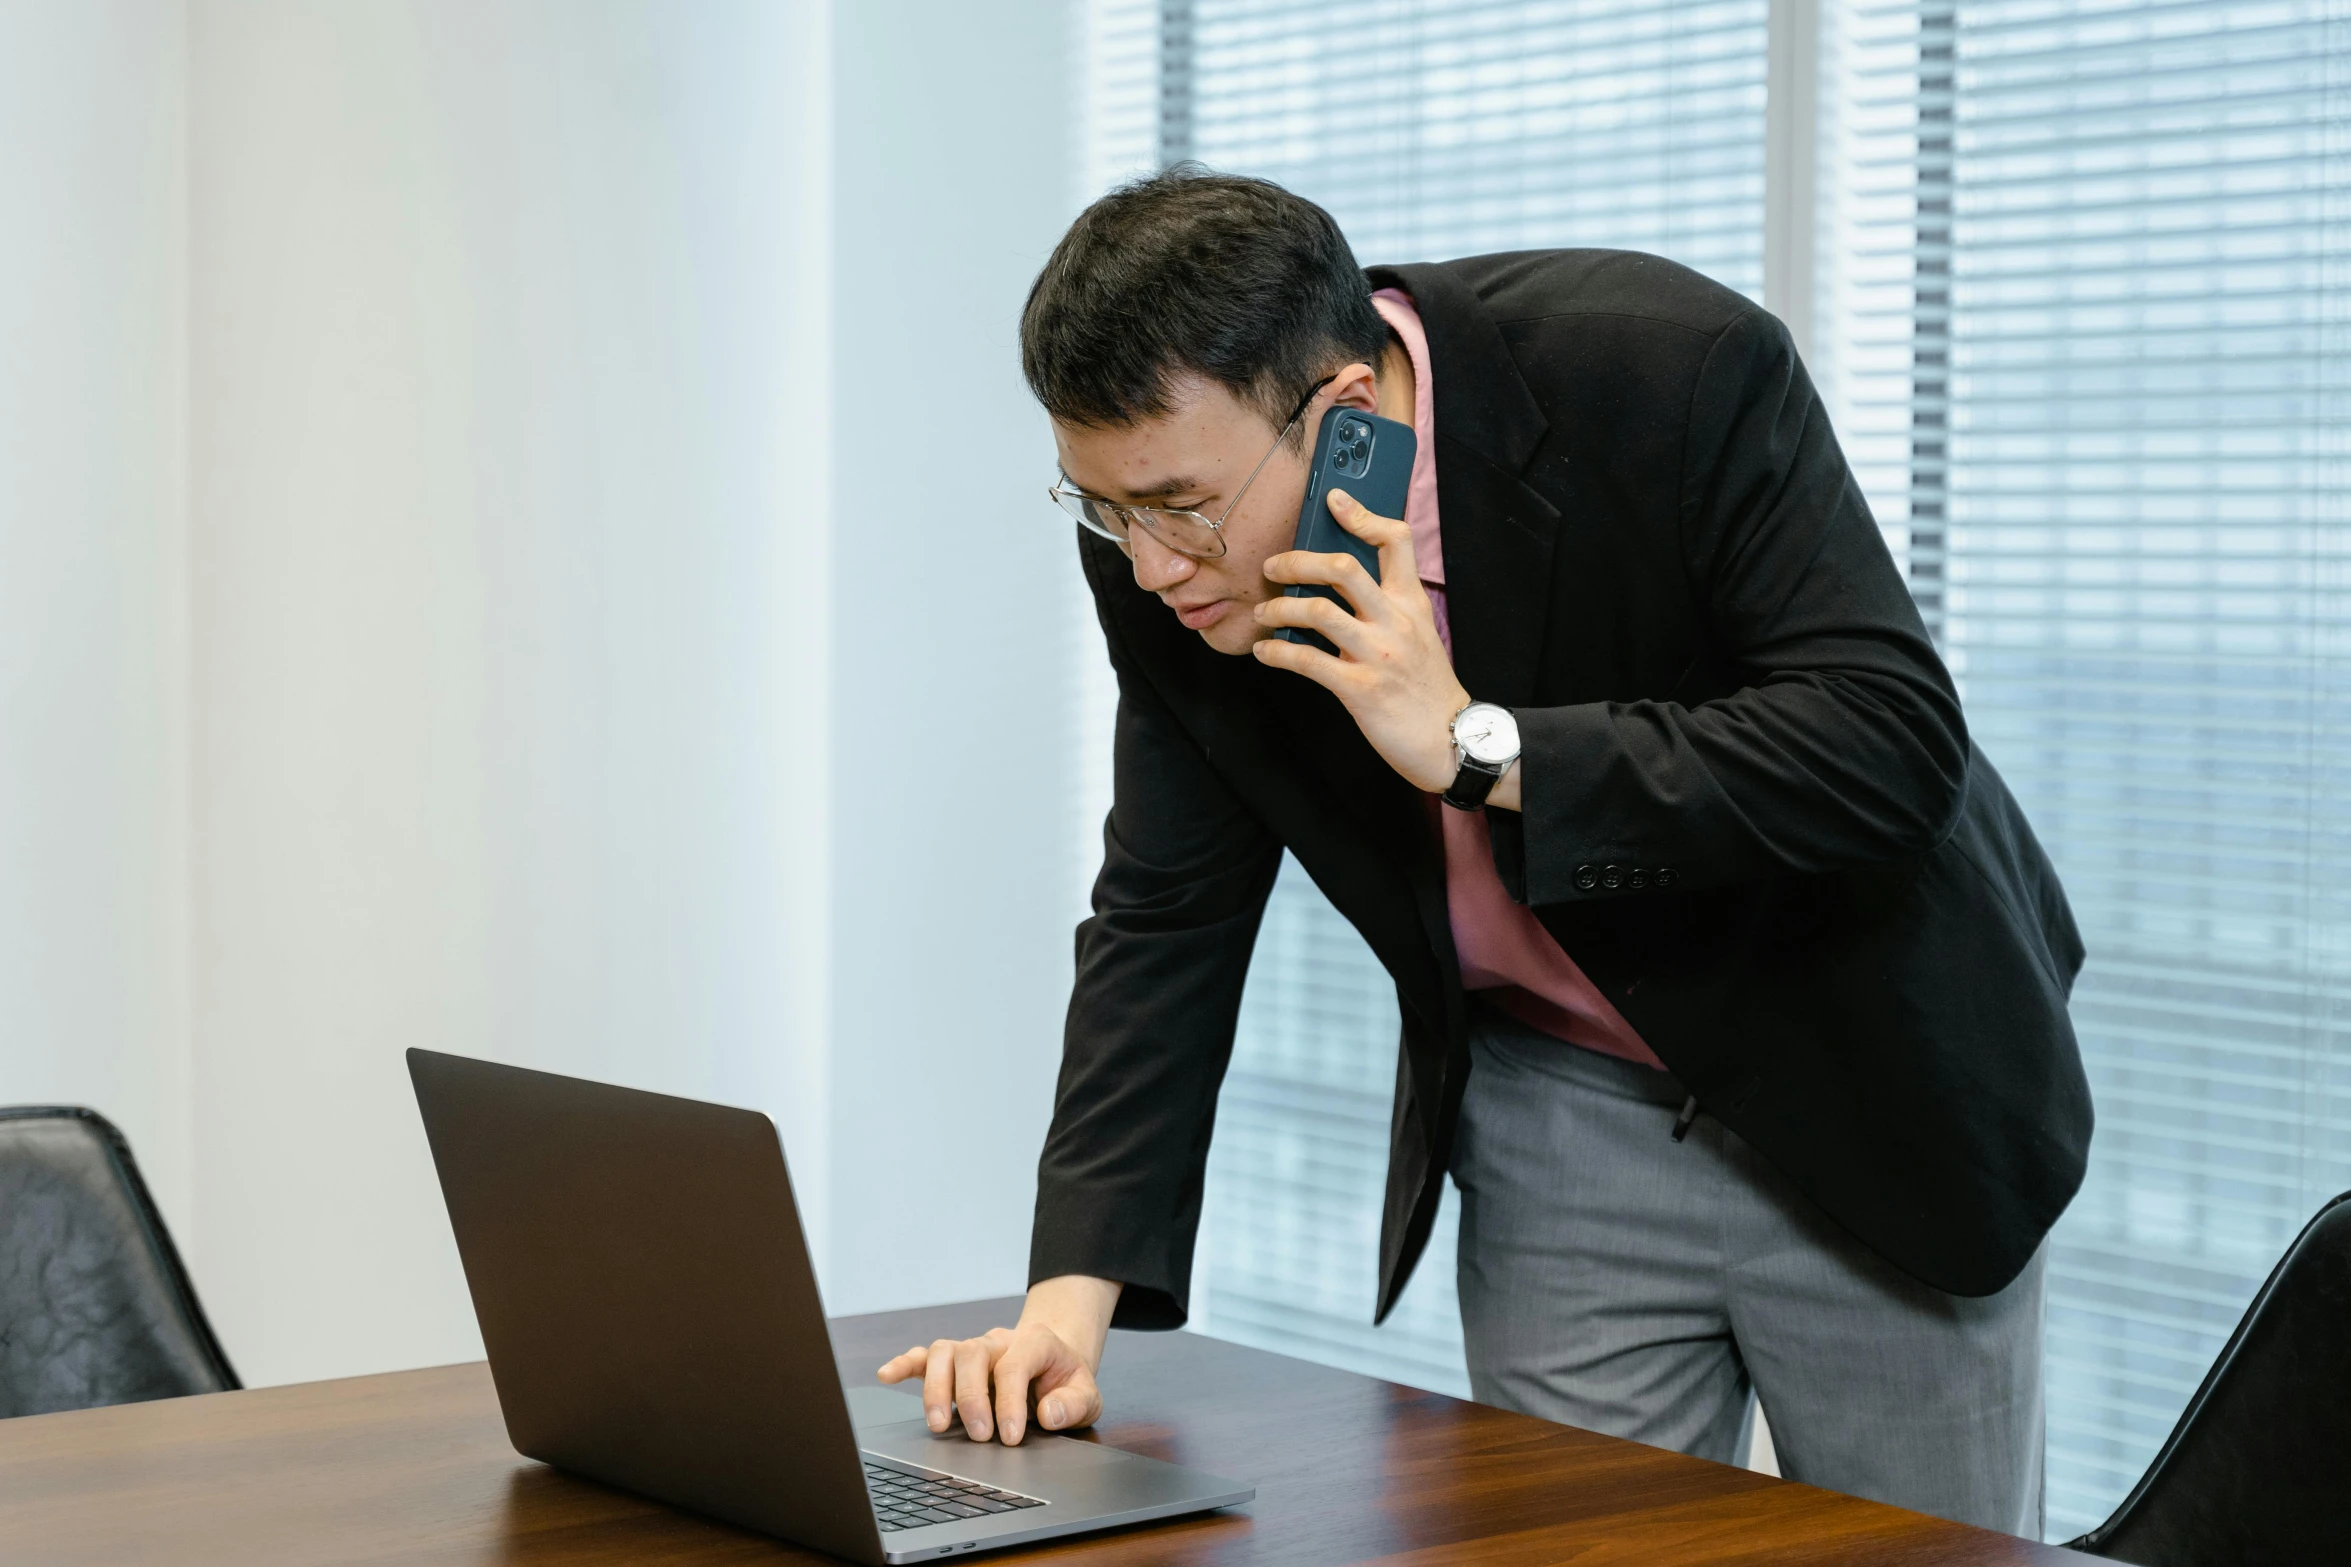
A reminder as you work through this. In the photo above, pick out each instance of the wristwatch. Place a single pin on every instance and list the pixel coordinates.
(1485, 743)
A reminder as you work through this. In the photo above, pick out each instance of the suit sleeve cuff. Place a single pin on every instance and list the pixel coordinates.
(1154, 1272)
(1572, 843)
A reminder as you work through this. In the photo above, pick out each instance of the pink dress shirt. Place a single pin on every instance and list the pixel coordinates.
(1506, 954)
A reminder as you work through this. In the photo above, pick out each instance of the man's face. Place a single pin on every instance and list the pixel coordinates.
(1194, 458)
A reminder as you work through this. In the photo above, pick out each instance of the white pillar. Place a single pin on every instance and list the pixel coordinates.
(954, 756)
(92, 405)
(510, 602)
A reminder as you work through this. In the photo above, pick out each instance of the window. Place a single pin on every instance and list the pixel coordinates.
(2079, 295)
(1434, 129)
(2121, 381)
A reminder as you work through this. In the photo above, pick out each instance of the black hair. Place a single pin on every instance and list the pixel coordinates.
(1229, 278)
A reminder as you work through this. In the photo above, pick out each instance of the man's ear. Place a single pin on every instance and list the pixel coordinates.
(1356, 387)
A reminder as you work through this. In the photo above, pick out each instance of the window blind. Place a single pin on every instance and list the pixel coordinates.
(2120, 373)
(1432, 129)
(2081, 320)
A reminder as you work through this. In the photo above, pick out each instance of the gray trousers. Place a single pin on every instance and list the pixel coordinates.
(1615, 1279)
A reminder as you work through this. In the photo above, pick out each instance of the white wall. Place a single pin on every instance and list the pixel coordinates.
(508, 604)
(540, 613)
(91, 235)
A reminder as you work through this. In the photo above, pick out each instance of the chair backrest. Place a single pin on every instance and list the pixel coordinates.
(94, 1305)
(2259, 1468)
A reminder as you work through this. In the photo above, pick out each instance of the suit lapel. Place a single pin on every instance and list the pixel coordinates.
(1499, 538)
(1499, 533)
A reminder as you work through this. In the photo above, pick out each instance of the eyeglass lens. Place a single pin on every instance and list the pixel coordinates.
(1183, 531)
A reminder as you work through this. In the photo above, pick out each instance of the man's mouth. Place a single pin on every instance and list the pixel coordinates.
(1199, 617)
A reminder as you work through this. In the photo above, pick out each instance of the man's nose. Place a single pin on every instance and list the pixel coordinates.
(1158, 568)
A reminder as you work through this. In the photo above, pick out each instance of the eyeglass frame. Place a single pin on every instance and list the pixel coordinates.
(1055, 492)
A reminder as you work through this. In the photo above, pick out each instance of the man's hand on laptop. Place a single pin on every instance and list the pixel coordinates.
(1050, 1357)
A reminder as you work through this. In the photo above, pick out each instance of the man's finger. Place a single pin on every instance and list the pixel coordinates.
(1014, 1371)
(1304, 566)
(1317, 614)
(1298, 658)
(938, 1383)
(1322, 668)
(899, 1367)
(1076, 1401)
(973, 1360)
(1390, 534)
(1363, 522)
(1370, 599)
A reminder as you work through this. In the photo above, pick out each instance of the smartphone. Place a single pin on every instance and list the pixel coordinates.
(1371, 459)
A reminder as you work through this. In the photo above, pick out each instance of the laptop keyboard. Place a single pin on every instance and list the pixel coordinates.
(909, 1501)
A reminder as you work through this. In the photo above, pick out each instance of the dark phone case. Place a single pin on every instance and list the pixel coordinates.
(1371, 459)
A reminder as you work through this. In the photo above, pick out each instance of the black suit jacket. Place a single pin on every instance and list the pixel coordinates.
(1751, 810)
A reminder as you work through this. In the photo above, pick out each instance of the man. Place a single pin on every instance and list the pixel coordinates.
(1733, 982)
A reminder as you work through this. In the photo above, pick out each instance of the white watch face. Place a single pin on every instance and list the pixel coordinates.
(1486, 733)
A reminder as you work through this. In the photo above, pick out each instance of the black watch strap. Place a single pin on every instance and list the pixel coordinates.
(1472, 784)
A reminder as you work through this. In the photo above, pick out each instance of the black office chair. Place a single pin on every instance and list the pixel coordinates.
(94, 1305)
(2257, 1469)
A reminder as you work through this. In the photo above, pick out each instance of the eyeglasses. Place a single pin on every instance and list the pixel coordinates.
(1185, 532)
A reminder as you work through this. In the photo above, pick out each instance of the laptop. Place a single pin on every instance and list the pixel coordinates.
(653, 1322)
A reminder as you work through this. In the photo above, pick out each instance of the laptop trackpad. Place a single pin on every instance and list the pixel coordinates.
(881, 1406)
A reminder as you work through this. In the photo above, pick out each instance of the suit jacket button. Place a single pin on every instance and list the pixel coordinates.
(1638, 879)
(1586, 878)
(1666, 876)
(1612, 877)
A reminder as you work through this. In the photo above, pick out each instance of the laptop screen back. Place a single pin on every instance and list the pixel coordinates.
(644, 1291)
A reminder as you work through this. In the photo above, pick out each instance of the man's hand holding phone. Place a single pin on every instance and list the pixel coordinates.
(1049, 1359)
(1391, 671)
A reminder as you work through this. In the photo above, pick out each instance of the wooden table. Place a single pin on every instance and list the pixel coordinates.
(414, 1467)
